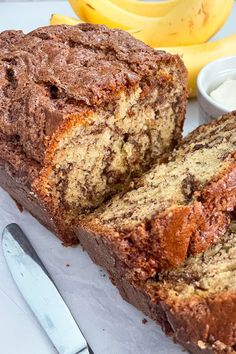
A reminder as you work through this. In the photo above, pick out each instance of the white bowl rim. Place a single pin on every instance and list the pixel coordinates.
(200, 79)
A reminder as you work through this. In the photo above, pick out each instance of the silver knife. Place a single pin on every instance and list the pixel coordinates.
(41, 294)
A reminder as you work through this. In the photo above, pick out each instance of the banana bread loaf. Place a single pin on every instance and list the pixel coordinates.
(177, 208)
(83, 110)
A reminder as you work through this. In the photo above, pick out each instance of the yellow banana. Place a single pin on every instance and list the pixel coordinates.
(197, 56)
(189, 22)
(107, 13)
(57, 19)
(147, 8)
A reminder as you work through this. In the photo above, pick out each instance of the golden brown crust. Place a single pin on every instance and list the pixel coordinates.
(167, 239)
(205, 320)
(218, 198)
(38, 185)
(27, 200)
(17, 173)
(203, 325)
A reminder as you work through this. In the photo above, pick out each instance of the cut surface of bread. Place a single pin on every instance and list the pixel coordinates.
(89, 109)
(177, 208)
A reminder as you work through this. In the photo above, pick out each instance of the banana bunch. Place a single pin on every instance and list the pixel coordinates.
(147, 8)
(176, 26)
(185, 23)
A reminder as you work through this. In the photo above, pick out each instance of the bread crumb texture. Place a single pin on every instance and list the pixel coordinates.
(199, 298)
(178, 208)
(201, 157)
(206, 274)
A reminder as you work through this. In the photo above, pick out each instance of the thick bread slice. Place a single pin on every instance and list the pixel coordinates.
(83, 110)
(176, 208)
(195, 304)
(198, 300)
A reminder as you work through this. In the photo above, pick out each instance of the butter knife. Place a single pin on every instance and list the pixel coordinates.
(41, 294)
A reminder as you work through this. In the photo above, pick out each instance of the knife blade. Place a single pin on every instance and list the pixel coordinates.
(41, 294)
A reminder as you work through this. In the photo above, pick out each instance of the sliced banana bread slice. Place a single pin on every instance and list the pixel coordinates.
(87, 109)
(176, 208)
(196, 303)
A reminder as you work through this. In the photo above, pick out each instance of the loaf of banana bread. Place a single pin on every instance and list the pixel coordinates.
(177, 208)
(83, 110)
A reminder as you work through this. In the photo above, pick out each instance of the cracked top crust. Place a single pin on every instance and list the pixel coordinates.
(53, 72)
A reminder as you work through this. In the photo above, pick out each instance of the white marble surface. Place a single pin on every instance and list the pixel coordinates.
(110, 325)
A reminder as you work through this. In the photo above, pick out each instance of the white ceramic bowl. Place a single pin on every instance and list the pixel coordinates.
(209, 78)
